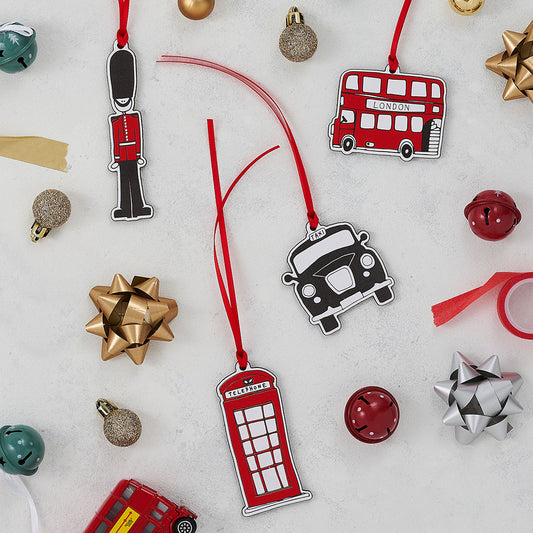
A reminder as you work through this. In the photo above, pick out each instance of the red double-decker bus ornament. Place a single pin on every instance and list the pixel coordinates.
(388, 112)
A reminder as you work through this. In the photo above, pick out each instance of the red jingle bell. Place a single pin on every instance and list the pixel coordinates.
(492, 215)
(371, 414)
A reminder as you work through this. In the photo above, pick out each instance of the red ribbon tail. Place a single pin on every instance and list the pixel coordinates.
(445, 311)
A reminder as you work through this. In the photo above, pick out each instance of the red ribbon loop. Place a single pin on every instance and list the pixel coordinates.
(122, 33)
(393, 60)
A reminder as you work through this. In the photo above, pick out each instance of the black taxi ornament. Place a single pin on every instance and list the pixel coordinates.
(332, 270)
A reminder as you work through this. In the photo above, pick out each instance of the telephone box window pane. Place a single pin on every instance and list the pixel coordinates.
(102, 528)
(261, 444)
(271, 479)
(396, 87)
(268, 409)
(277, 456)
(253, 413)
(419, 89)
(257, 429)
(368, 121)
(113, 513)
(416, 124)
(252, 464)
(248, 447)
(162, 506)
(239, 417)
(244, 432)
(435, 90)
(271, 425)
(148, 528)
(258, 483)
(371, 85)
(282, 475)
(128, 491)
(274, 440)
(157, 515)
(400, 123)
(265, 459)
(352, 82)
(384, 122)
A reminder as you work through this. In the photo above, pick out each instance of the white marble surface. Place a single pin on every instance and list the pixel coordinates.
(421, 479)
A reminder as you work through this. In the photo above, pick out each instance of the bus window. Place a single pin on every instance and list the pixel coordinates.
(435, 90)
(162, 506)
(148, 528)
(400, 123)
(352, 82)
(418, 88)
(396, 87)
(384, 122)
(371, 85)
(416, 124)
(102, 528)
(128, 491)
(113, 513)
(157, 515)
(347, 116)
(368, 121)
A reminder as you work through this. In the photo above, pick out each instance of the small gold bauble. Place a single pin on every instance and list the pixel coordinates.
(122, 427)
(298, 41)
(196, 9)
(466, 7)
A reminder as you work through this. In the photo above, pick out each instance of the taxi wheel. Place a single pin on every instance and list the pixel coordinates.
(384, 295)
(184, 525)
(330, 324)
(348, 144)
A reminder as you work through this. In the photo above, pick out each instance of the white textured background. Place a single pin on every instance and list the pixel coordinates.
(51, 373)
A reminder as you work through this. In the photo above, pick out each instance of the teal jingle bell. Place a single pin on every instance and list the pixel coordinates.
(21, 450)
(18, 48)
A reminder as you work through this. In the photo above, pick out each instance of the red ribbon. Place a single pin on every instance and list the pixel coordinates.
(311, 215)
(393, 61)
(122, 33)
(228, 295)
(445, 311)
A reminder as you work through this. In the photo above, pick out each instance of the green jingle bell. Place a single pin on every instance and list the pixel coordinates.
(18, 48)
(21, 450)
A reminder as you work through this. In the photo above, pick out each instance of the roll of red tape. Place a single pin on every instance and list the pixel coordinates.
(509, 323)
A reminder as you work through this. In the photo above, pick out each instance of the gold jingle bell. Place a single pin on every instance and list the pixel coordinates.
(122, 427)
(466, 7)
(196, 9)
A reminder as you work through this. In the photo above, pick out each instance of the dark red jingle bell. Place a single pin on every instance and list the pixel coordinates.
(492, 215)
(371, 414)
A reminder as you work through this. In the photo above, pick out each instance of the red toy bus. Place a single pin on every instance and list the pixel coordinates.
(393, 114)
(135, 508)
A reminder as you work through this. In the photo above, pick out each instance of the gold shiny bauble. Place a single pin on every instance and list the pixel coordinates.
(466, 7)
(297, 42)
(196, 9)
(122, 427)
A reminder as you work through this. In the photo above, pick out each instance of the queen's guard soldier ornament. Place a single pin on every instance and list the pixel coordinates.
(127, 156)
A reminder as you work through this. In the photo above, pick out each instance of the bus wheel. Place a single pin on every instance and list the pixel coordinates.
(348, 144)
(406, 150)
(184, 525)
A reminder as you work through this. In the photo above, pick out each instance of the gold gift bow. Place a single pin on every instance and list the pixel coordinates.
(515, 64)
(131, 315)
(36, 151)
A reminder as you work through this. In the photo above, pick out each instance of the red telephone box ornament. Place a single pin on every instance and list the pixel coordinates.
(255, 425)
(389, 113)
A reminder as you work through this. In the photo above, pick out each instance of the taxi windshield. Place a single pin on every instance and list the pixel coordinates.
(305, 259)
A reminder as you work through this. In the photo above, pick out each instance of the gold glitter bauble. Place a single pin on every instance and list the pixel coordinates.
(466, 7)
(122, 427)
(298, 41)
(51, 208)
(196, 9)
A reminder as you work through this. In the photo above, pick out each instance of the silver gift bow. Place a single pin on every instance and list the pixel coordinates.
(479, 397)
